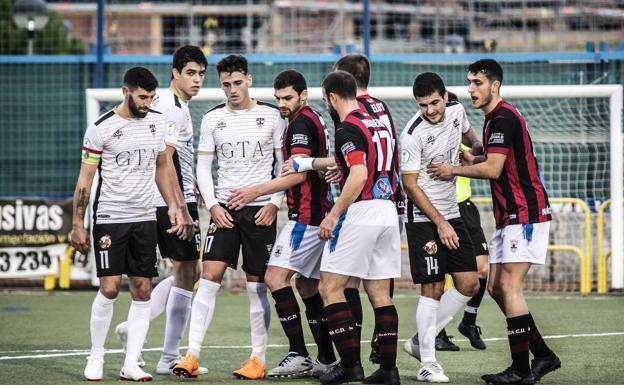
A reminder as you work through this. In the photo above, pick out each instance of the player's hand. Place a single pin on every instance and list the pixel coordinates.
(466, 158)
(80, 240)
(287, 167)
(266, 215)
(448, 236)
(333, 174)
(198, 197)
(182, 224)
(240, 197)
(221, 217)
(327, 227)
(440, 171)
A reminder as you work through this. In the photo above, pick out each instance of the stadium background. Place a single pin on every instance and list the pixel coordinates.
(555, 42)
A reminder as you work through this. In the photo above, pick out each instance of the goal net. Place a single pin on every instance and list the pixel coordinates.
(576, 132)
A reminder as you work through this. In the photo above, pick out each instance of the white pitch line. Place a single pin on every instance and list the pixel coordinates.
(76, 352)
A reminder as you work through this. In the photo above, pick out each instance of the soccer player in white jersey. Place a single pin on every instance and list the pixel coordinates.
(174, 294)
(246, 136)
(437, 237)
(298, 249)
(126, 145)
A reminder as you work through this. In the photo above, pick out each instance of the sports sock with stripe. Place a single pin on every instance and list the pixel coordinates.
(289, 315)
(537, 345)
(387, 325)
(518, 335)
(342, 331)
(355, 304)
(472, 307)
(317, 321)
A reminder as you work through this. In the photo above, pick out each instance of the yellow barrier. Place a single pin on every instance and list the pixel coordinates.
(584, 255)
(49, 281)
(602, 257)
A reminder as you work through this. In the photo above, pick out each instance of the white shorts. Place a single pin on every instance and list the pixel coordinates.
(298, 248)
(520, 243)
(366, 243)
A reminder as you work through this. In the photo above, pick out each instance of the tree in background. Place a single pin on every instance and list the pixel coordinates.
(53, 39)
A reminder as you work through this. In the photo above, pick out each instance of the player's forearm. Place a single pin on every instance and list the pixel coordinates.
(420, 199)
(279, 184)
(80, 203)
(350, 191)
(204, 180)
(482, 170)
(322, 164)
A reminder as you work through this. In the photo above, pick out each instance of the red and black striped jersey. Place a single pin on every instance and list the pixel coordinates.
(376, 107)
(519, 196)
(310, 201)
(366, 140)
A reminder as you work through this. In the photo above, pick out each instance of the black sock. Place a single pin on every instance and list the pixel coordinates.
(387, 326)
(475, 301)
(318, 326)
(536, 342)
(391, 287)
(353, 299)
(442, 333)
(288, 312)
(518, 335)
(342, 332)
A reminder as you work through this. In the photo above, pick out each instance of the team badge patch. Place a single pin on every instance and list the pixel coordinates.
(118, 134)
(221, 125)
(455, 123)
(431, 247)
(513, 245)
(260, 122)
(105, 242)
(212, 228)
(382, 188)
(269, 247)
(278, 250)
(430, 140)
(152, 128)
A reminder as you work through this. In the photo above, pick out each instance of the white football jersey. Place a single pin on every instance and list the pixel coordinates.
(422, 143)
(126, 151)
(178, 134)
(244, 142)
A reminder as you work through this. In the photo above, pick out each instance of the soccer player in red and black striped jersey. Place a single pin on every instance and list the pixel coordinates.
(297, 248)
(359, 66)
(522, 215)
(362, 230)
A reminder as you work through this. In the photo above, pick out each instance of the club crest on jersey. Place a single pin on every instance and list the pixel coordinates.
(431, 247)
(260, 122)
(221, 125)
(105, 242)
(152, 128)
(118, 134)
(430, 140)
(513, 245)
(455, 123)
(212, 228)
(404, 156)
(278, 250)
(382, 188)
(269, 247)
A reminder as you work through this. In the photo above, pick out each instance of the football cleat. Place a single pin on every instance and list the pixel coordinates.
(188, 367)
(134, 373)
(411, 347)
(444, 343)
(509, 376)
(122, 335)
(320, 368)
(94, 371)
(294, 365)
(375, 354)
(384, 377)
(252, 369)
(339, 374)
(431, 372)
(473, 333)
(540, 366)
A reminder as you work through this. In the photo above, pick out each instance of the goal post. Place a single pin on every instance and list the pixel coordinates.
(573, 116)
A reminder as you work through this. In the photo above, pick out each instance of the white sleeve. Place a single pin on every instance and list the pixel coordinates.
(206, 140)
(278, 197)
(174, 121)
(278, 132)
(465, 123)
(410, 153)
(204, 179)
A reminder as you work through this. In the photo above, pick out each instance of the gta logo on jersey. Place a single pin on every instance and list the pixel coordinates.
(382, 189)
(137, 157)
(105, 242)
(260, 122)
(431, 247)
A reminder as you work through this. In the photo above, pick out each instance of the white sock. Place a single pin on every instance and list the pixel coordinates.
(201, 314)
(101, 315)
(159, 296)
(471, 309)
(451, 302)
(178, 311)
(259, 318)
(426, 326)
(138, 325)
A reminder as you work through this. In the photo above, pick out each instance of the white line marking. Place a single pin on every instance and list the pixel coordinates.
(77, 352)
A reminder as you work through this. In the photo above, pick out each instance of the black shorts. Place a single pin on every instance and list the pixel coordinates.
(125, 248)
(430, 260)
(470, 214)
(257, 241)
(170, 245)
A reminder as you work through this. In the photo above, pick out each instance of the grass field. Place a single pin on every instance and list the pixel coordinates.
(44, 339)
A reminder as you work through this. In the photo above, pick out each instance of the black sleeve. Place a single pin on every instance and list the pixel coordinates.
(350, 138)
(301, 136)
(500, 134)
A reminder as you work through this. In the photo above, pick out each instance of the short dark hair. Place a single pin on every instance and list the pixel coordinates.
(232, 63)
(140, 77)
(452, 97)
(357, 65)
(489, 67)
(340, 83)
(290, 78)
(427, 83)
(186, 54)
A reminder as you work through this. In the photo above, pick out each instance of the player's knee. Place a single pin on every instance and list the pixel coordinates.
(212, 276)
(483, 271)
(274, 281)
(468, 287)
(494, 290)
(109, 291)
(329, 291)
(307, 287)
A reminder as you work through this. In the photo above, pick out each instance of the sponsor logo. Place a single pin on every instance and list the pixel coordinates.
(243, 149)
(546, 210)
(382, 188)
(118, 134)
(404, 156)
(105, 242)
(513, 245)
(497, 138)
(288, 318)
(212, 228)
(299, 139)
(347, 147)
(104, 216)
(138, 157)
(430, 247)
(484, 246)
(260, 122)
(517, 331)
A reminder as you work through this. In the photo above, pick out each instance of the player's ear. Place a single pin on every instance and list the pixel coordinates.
(304, 95)
(175, 73)
(249, 80)
(496, 86)
(126, 91)
(445, 96)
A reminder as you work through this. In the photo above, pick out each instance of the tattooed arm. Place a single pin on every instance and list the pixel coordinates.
(79, 235)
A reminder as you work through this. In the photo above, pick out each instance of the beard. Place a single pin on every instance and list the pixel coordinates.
(334, 114)
(486, 100)
(134, 110)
